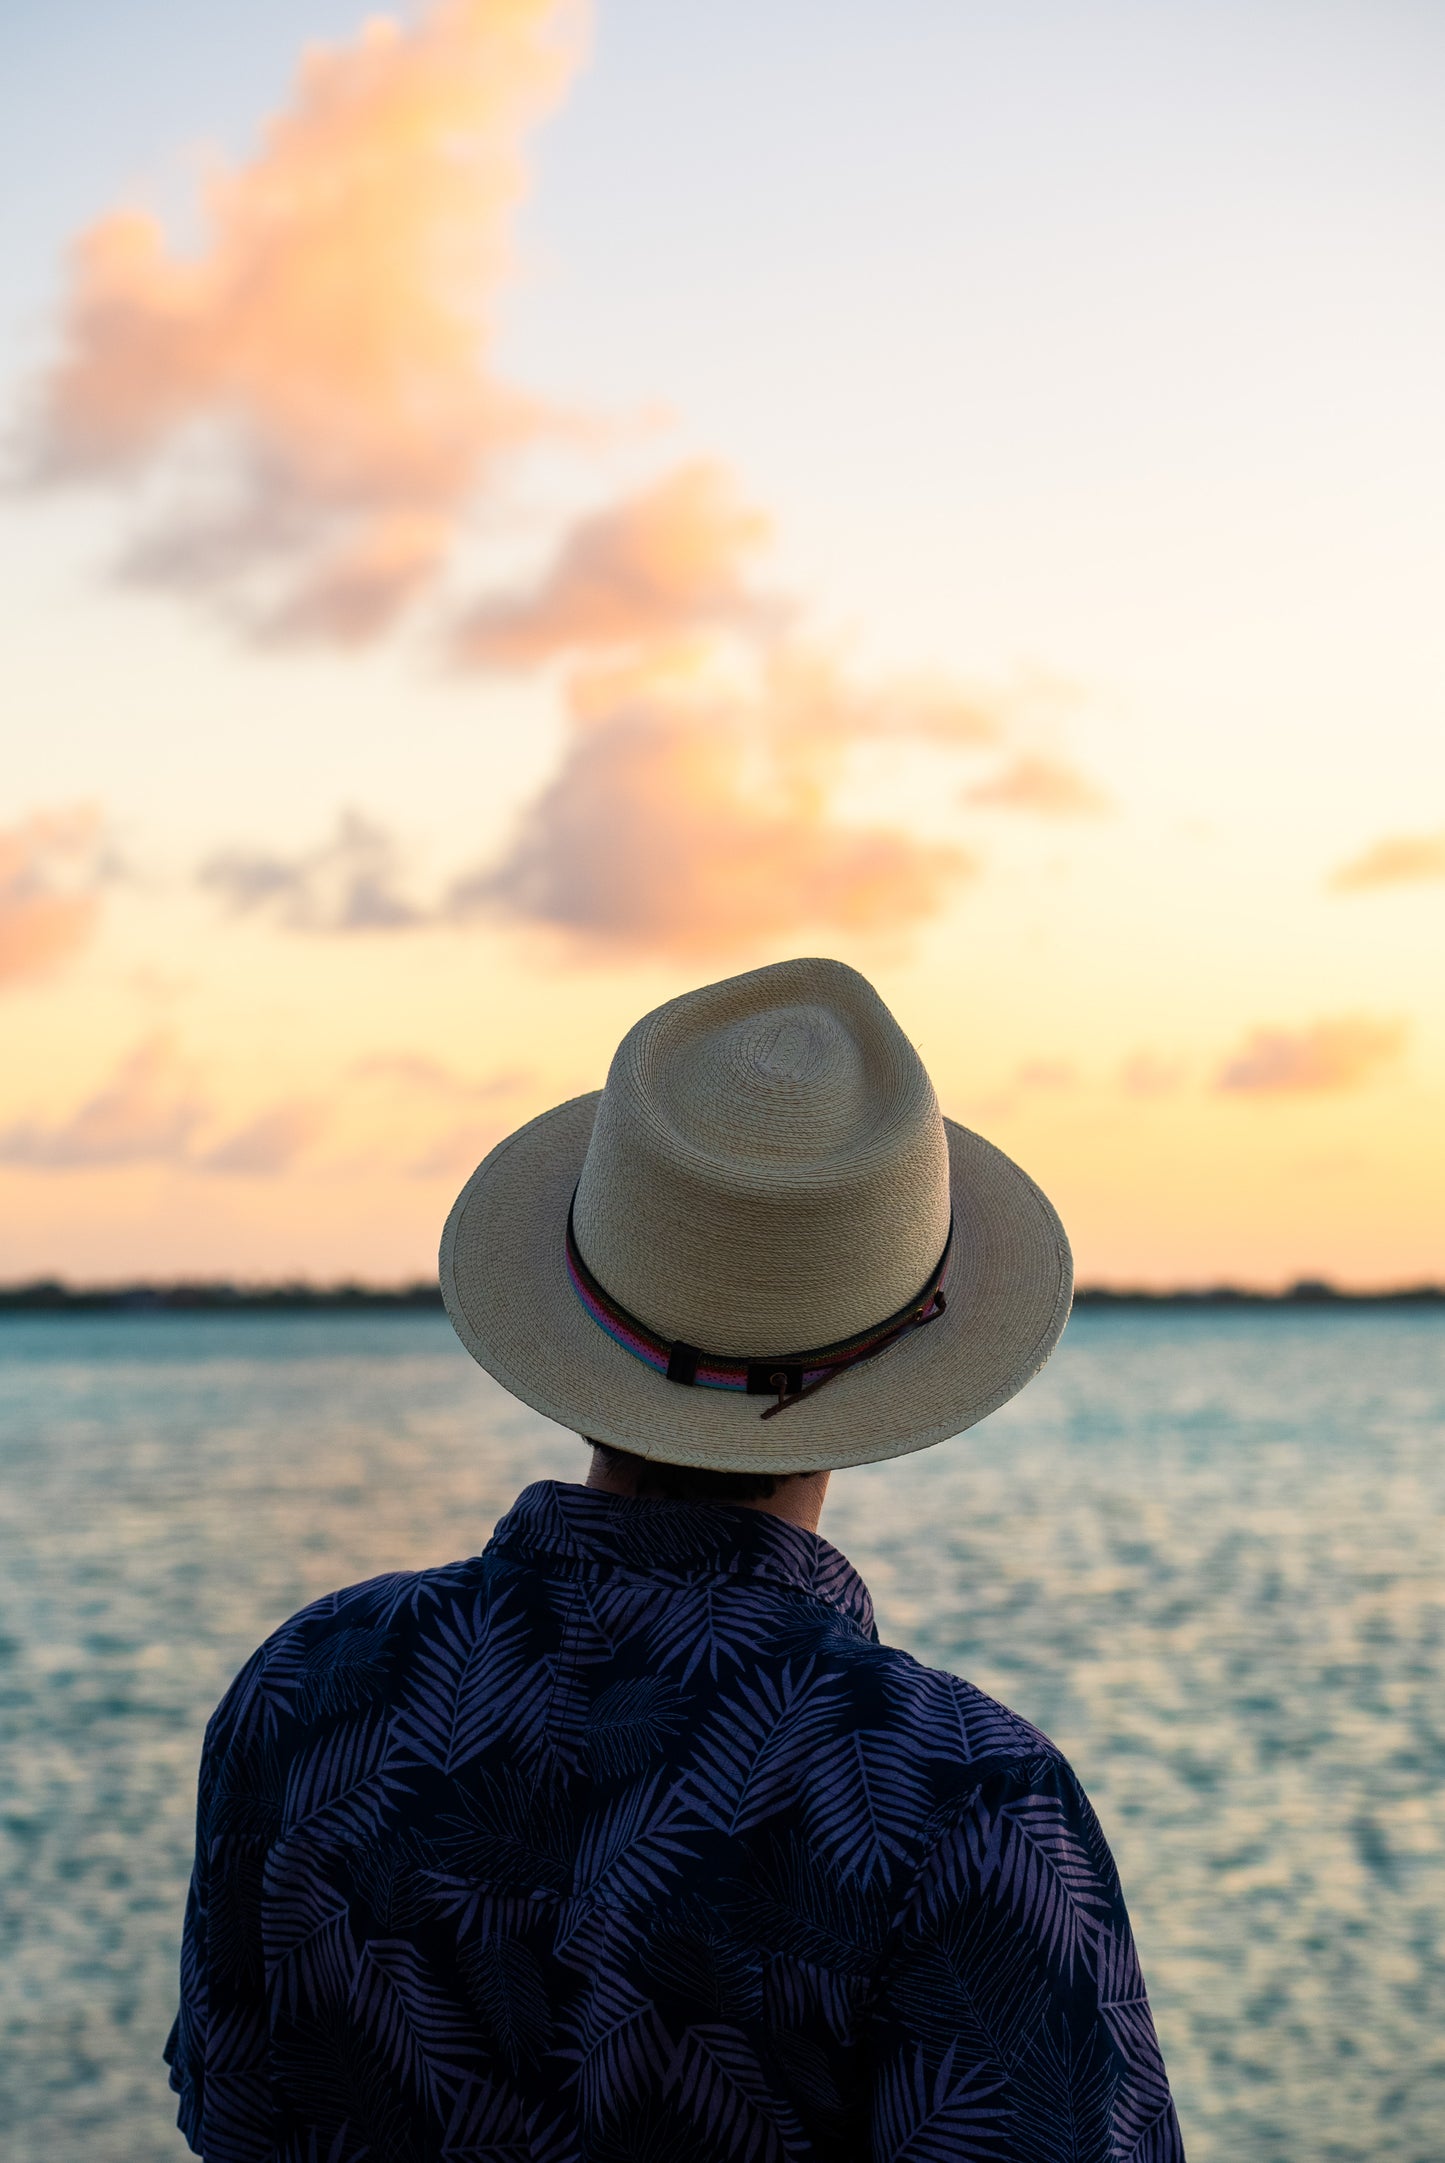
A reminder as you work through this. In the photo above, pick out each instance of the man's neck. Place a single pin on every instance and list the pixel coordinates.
(797, 1498)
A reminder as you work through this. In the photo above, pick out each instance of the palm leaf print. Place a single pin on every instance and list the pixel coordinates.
(798, 1993)
(1063, 2096)
(752, 1760)
(487, 2120)
(631, 1849)
(473, 1683)
(866, 1800)
(976, 1981)
(233, 1911)
(627, 1842)
(690, 1960)
(399, 1879)
(1123, 2002)
(508, 1993)
(340, 1671)
(939, 2120)
(491, 2124)
(238, 2087)
(616, 2044)
(705, 1628)
(630, 1724)
(418, 2028)
(1031, 1854)
(1144, 2128)
(330, 2072)
(342, 1787)
(792, 1900)
(723, 2089)
(506, 1832)
(310, 1955)
(245, 1795)
(381, 1599)
(341, 2148)
(954, 1721)
(586, 1646)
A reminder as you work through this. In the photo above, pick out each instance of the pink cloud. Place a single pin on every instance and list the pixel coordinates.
(1398, 860)
(1327, 1055)
(1145, 1074)
(324, 350)
(147, 1112)
(269, 1143)
(1048, 787)
(49, 868)
(685, 823)
(694, 811)
(672, 558)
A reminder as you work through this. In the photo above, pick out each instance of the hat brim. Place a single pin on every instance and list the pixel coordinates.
(504, 1279)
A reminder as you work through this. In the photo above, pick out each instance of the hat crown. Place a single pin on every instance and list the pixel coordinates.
(768, 1170)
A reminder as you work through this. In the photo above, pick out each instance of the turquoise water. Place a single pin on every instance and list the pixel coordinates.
(1203, 1550)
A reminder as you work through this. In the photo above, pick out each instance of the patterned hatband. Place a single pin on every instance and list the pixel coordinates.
(786, 1378)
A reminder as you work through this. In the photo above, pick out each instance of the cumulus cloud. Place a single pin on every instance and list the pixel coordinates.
(350, 883)
(50, 866)
(309, 398)
(684, 821)
(671, 559)
(1397, 860)
(1049, 787)
(690, 814)
(1327, 1055)
(321, 359)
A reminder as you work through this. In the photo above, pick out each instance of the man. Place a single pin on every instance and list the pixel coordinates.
(627, 1839)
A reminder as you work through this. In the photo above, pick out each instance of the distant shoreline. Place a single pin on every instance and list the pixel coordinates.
(50, 1296)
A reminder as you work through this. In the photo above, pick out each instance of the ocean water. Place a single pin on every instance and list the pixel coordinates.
(1205, 1551)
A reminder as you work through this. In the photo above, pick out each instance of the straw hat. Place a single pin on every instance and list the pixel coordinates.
(760, 1246)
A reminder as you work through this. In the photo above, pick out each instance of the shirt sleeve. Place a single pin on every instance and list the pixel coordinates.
(1011, 2018)
(218, 2048)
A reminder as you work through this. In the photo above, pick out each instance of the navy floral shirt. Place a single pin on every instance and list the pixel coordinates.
(627, 1842)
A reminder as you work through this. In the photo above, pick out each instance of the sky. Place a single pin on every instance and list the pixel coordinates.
(510, 510)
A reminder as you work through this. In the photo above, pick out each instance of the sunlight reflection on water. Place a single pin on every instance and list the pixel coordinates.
(1203, 1551)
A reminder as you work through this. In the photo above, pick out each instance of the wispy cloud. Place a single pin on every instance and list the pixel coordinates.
(154, 1110)
(268, 1144)
(350, 883)
(321, 360)
(1397, 860)
(1145, 1074)
(1326, 1055)
(673, 558)
(148, 1112)
(51, 866)
(399, 1113)
(1030, 1079)
(443, 1122)
(1050, 788)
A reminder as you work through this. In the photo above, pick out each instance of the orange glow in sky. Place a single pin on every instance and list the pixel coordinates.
(563, 507)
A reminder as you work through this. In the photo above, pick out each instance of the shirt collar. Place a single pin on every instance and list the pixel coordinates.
(679, 1542)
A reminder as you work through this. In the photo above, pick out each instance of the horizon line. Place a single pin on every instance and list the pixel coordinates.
(56, 1295)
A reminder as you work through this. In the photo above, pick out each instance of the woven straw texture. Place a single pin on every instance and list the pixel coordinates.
(766, 1172)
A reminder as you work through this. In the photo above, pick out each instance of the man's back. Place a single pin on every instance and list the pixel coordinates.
(628, 1840)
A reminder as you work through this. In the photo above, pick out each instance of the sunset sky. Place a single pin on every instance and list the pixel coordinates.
(511, 511)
